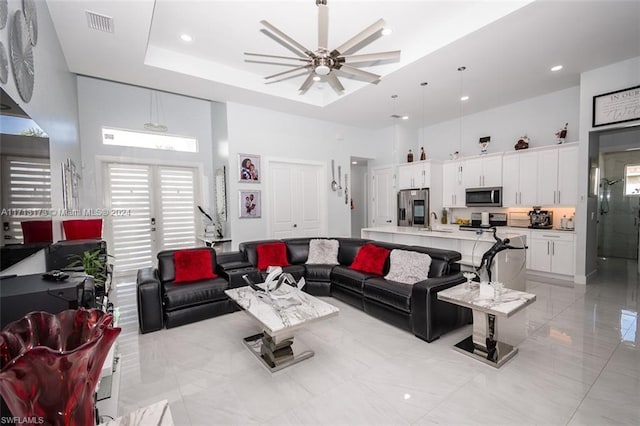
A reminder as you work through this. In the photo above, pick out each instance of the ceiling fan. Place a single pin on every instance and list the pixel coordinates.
(325, 64)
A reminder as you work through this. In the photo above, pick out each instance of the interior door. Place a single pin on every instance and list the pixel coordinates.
(383, 199)
(295, 200)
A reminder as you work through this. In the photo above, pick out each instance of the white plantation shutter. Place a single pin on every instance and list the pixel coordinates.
(177, 207)
(166, 194)
(28, 190)
(131, 239)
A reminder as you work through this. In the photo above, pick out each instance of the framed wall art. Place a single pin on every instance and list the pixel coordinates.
(249, 168)
(250, 204)
(616, 107)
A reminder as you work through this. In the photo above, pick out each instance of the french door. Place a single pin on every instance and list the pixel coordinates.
(159, 205)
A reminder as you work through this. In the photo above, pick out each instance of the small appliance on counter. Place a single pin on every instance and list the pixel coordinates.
(495, 219)
(540, 219)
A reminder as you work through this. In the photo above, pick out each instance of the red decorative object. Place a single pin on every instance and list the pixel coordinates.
(370, 259)
(271, 254)
(82, 229)
(193, 265)
(37, 231)
(51, 365)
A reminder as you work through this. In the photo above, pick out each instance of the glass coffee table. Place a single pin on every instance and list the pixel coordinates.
(483, 344)
(279, 316)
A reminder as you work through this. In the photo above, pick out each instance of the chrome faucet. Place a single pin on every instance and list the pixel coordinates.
(435, 216)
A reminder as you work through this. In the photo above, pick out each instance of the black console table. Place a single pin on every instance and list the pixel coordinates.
(22, 294)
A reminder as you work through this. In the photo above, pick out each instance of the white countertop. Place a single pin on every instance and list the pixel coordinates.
(446, 233)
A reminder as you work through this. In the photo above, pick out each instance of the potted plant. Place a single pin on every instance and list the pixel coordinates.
(93, 263)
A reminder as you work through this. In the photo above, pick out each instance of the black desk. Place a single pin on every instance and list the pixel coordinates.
(27, 293)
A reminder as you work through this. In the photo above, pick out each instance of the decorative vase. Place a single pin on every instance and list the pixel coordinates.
(51, 364)
(410, 157)
(423, 155)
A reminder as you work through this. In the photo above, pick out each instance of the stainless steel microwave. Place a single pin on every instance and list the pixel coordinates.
(484, 197)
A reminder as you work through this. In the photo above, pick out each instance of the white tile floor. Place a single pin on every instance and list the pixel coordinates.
(579, 363)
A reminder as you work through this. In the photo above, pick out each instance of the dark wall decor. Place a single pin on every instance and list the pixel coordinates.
(616, 107)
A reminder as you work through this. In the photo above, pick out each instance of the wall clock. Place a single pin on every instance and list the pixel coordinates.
(4, 13)
(21, 53)
(4, 64)
(31, 17)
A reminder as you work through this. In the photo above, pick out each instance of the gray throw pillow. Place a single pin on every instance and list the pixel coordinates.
(408, 267)
(323, 252)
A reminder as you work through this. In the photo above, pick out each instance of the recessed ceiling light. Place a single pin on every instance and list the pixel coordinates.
(387, 31)
(632, 149)
(464, 98)
(186, 38)
(556, 68)
(316, 78)
(405, 117)
(354, 162)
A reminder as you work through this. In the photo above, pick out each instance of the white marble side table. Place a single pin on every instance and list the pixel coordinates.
(483, 344)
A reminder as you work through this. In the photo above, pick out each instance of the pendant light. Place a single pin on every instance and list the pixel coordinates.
(461, 100)
(424, 118)
(154, 123)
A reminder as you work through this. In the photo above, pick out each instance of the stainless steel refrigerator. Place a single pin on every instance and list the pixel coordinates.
(413, 207)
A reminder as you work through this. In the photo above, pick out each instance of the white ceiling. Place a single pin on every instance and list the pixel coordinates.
(508, 48)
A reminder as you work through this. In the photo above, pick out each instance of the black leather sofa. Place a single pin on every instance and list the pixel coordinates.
(412, 307)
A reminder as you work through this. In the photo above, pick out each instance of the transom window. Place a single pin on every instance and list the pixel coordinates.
(148, 140)
(632, 179)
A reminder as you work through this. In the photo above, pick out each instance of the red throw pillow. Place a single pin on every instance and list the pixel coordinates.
(193, 265)
(271, 254)
(370, 259)
(81, 229)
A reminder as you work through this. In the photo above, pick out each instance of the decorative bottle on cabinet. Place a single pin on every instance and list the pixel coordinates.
(423, 155)
(410, 157)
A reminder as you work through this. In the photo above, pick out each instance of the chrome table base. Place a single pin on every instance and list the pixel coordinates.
(275, 353)
(483, 344)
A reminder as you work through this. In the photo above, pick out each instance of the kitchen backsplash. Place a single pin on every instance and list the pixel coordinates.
(516, 216)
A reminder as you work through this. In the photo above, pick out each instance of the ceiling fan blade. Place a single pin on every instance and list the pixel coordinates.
(369, 76)
(279, 64)
(287, 38)
(287, 77)
(381, 56)
(287, 71)
(308, 82)
(358, 38)
(277, 57)
(323, 26)
(283, 43)
(335, 83)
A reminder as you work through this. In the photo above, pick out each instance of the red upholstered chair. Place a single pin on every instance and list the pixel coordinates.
(82, 229)
(37, 231)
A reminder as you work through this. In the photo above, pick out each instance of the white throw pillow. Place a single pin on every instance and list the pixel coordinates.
(323, 252)
(408, 267)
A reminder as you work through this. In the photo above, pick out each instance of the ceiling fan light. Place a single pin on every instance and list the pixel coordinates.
(316, 78)
(386, 31)
(322, 70)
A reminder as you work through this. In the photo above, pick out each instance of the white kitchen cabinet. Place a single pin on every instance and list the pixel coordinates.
(414, 175)
(557, 176)
(452, 185)
(519, 179)
(552, 252)
(483, 171)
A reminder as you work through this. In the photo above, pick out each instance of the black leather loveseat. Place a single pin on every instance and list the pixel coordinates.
(413, 307)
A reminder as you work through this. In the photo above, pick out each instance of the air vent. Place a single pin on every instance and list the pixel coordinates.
(99, 22)
(396, 116)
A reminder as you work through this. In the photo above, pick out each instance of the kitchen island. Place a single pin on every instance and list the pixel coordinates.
(508, 266)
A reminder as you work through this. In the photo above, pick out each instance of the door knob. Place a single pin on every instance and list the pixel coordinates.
(295, 225)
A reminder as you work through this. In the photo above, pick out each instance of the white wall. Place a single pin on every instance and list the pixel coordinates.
(618, 76)
(278, 135)
(54, 104)
(538, 117)
(104, 103)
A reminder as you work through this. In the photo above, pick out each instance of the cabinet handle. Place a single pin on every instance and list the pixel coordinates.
(548, 247)
(554, 197)
(553, 248)
(558, 197)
